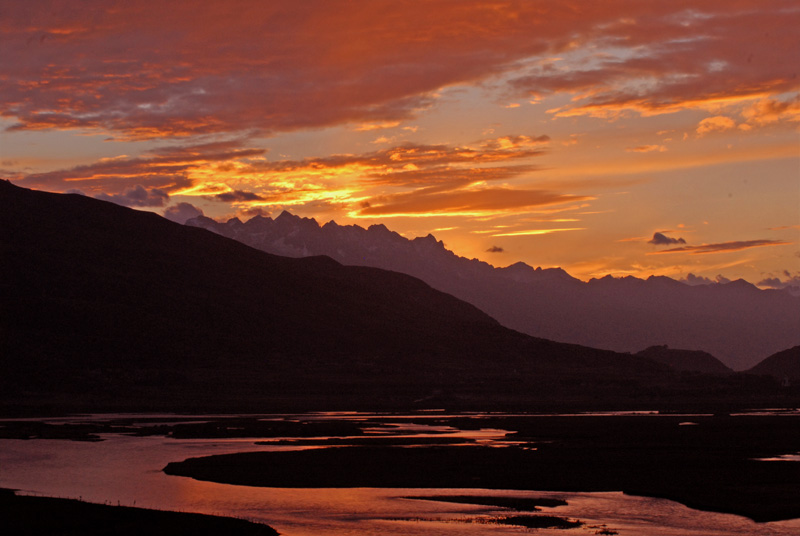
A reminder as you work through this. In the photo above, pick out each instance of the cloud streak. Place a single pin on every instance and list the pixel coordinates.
(478, 202)
(536, 232)
(170, 169)
(646, 149)
(723, 247)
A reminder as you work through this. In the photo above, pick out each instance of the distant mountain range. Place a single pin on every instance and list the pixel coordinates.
(737, 322)
(105, 307)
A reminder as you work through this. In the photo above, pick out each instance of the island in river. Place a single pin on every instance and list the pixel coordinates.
(709, 463)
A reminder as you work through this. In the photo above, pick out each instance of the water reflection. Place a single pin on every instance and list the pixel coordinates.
(784, 458)
(126, 469)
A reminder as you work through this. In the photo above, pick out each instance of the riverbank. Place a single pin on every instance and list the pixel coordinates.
(35, 516)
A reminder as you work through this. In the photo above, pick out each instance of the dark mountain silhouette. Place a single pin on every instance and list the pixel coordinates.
(108, 307)
(685, 360)
(736, 322)
(783, 366)
(109, 303)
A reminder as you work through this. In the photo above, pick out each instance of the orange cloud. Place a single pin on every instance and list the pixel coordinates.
(478, 202)
(772, 110)
(646, 149)
(717, 123)
(365, 127)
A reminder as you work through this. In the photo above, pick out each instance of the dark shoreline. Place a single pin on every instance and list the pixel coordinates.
(40, 516)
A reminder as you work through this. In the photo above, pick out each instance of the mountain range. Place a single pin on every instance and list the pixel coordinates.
(736, 322)
(783, 366)
(105, 307)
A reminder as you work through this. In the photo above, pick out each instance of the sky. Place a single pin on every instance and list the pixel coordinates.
(607, 138)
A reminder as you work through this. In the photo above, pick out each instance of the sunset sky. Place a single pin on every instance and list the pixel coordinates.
(605, 137)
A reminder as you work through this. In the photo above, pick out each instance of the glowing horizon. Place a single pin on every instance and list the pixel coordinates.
(489, 123)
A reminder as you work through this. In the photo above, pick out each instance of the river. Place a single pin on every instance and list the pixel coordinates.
(127, 470)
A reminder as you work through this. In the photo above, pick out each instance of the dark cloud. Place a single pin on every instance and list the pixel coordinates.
(659, 239)
(694, 280)
(792, 282)
(251, 212)
(495, 249)
(724, 247)
(238, 195)
(182, 212)
(138, 197)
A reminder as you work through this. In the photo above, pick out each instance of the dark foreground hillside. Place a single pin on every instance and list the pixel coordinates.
(783, 366)
(685, 360)
(41, 516)
(110, 308)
